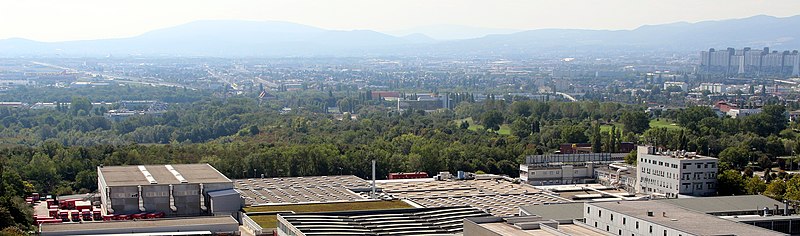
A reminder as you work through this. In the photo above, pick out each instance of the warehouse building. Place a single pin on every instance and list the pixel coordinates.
(176, 190)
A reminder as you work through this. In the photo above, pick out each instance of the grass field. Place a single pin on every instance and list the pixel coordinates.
(504, 129)
(664, 123)
(607, 128)
(270, 220)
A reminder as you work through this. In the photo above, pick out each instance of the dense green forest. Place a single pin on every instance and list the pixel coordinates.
(57, 150)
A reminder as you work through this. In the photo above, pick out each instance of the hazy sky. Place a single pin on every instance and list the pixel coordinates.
(57, 20)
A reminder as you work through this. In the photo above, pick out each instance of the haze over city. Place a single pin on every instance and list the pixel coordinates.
(96, 19)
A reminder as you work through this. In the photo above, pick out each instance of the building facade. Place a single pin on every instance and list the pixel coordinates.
(670, 174)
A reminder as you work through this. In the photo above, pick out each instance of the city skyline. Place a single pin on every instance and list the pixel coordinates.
(51, 21)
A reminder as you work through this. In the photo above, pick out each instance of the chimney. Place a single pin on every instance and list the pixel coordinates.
(373, 178)
(663, 214)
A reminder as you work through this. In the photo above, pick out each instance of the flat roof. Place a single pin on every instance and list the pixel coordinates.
(564, 211)
(677, 218)
(293, 190)
(687, 158)
(132, 175)
(528, 226)
(412, 221)
(498, 197)
(135, 224)
(710, 205)
(505, 229)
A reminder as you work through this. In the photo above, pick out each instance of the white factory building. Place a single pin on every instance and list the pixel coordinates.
(673, 173)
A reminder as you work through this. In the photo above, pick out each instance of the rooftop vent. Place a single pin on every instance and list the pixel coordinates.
(147, 175)
(176, 174)
(650, 213)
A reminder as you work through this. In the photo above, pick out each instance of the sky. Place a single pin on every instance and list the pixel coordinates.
(62, 20)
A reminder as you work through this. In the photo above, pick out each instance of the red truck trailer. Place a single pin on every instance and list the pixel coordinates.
(75, 215)
(63, 215)
(86, 215)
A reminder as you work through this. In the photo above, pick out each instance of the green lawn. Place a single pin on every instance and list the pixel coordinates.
(664, 123)
(504, 129)
(607, 128)
(270, 220)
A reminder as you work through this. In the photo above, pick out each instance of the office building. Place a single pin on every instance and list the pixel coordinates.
(670, 174)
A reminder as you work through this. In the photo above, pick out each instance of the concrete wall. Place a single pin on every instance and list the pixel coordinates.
(155, 198)
(473, 229)
(124, 200)
(187, 199)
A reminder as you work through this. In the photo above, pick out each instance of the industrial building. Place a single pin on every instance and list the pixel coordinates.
(413, 221)
(301, 190)
(620, 176)
(167, 226)
(554, 169)
(498, 197)
(670, 174)
(527, 226)
(175, 190)
(658, 218)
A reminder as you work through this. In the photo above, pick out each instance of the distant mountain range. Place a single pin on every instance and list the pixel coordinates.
(280, 39)
(452, 32)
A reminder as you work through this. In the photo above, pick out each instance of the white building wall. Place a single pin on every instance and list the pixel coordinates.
(619, 224)
(663, 174)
